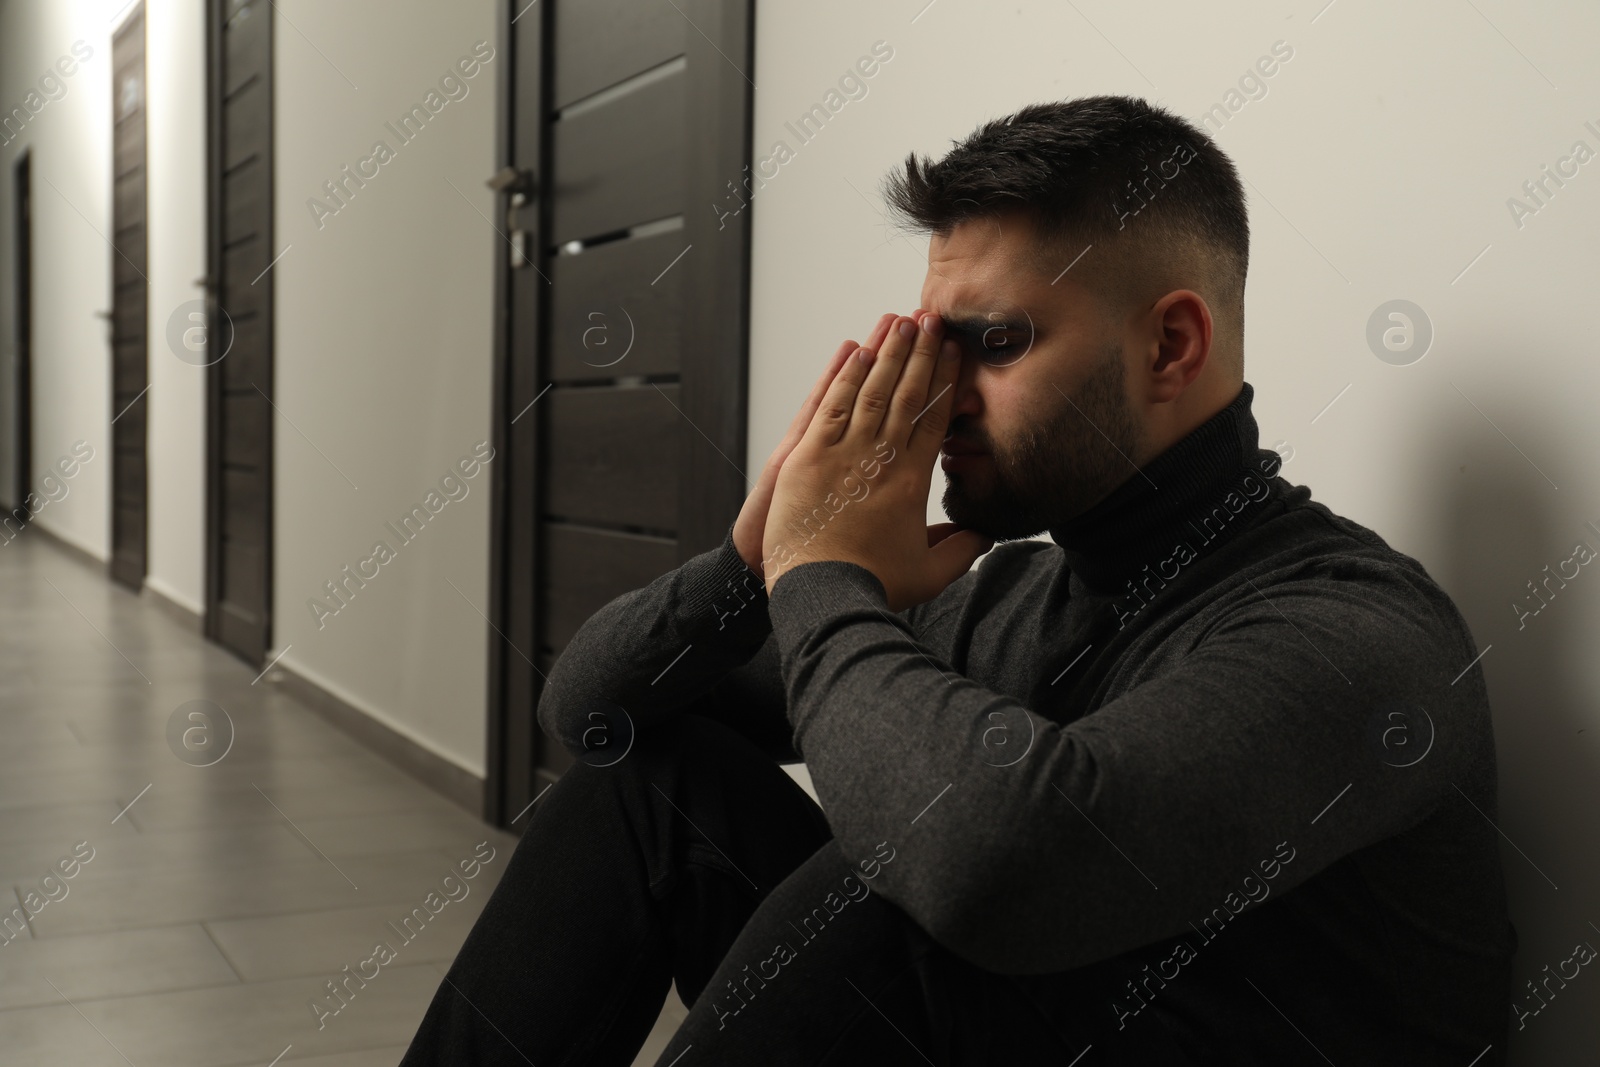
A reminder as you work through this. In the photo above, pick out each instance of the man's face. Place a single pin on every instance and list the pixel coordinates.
(1041, 392)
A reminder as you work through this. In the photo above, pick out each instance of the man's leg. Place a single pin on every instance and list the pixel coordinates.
(627, 877)
(865, 985)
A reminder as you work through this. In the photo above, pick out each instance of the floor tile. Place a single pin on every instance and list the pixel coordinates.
(219, 899)
(322, 942)
(116, 963)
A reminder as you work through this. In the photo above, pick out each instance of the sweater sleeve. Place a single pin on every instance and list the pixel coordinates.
(1240, 769)
(651, 651)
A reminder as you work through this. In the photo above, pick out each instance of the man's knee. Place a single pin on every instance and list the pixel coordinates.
(621, 761)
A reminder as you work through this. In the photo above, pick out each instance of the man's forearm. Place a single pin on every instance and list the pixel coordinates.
(651, 651)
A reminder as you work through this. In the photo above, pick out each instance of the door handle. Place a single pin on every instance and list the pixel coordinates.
(514, 180)
(522, 185)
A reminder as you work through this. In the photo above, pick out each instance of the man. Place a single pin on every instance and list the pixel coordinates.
(1206, 778)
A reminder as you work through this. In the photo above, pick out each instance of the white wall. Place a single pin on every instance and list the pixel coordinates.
(1380, 160)
(175, 73)
(384, 360)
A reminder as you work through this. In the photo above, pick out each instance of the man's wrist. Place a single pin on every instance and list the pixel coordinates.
(738, 587)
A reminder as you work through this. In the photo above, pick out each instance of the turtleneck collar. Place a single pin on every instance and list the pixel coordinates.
(1195, 493)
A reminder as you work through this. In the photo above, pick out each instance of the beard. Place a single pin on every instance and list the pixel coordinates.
(1059, 469)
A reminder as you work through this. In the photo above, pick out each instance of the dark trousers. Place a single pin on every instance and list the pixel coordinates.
(691, 859)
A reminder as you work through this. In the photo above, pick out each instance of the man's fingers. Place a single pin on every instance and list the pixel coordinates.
(840, 354)
(929, 429)
(836, 411)
(912, 392)
(847, 354)
(876, 392)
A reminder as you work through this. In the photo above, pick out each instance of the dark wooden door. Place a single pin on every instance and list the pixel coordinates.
(130, 291)
(22, 405)
(239, 380)
(622, 320)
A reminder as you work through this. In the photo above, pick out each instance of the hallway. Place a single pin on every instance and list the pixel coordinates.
(210, 904)
(354, 357)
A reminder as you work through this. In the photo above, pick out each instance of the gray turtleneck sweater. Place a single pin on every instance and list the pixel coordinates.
(1225, 749)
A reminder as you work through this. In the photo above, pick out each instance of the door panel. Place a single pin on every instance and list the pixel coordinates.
(619, 163)
(239, 416)
(242, 204)
(620, 342)
(594, 54)
(244, 125)
(250, 347)
(128, 150)
(129, 300)
(245, 447)
(611, 456)
(635, 328)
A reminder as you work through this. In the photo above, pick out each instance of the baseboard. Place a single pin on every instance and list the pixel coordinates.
(450, 781)
(76, 551)
(454, 783)
(182, 614)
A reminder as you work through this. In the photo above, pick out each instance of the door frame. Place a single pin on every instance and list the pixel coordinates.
(22, 285)
(215, 17)
(508, 494)
(714, 370)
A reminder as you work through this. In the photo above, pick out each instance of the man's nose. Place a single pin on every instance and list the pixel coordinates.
(968, 400)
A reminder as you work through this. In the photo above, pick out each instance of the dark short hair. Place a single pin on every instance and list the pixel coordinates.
(1152, 197)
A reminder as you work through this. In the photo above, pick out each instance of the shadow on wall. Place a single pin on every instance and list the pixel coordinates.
(1505, 546)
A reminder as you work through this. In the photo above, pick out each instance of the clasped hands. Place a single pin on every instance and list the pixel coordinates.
(850, 479)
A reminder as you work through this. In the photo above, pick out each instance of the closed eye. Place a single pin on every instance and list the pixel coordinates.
(993, 340)
(1001, 346)
(1002, 339)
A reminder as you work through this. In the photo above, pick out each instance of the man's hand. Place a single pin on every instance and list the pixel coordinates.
(752, 520)
(854, 487)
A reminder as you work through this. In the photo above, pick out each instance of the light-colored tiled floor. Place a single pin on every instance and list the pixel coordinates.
(217, 899)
